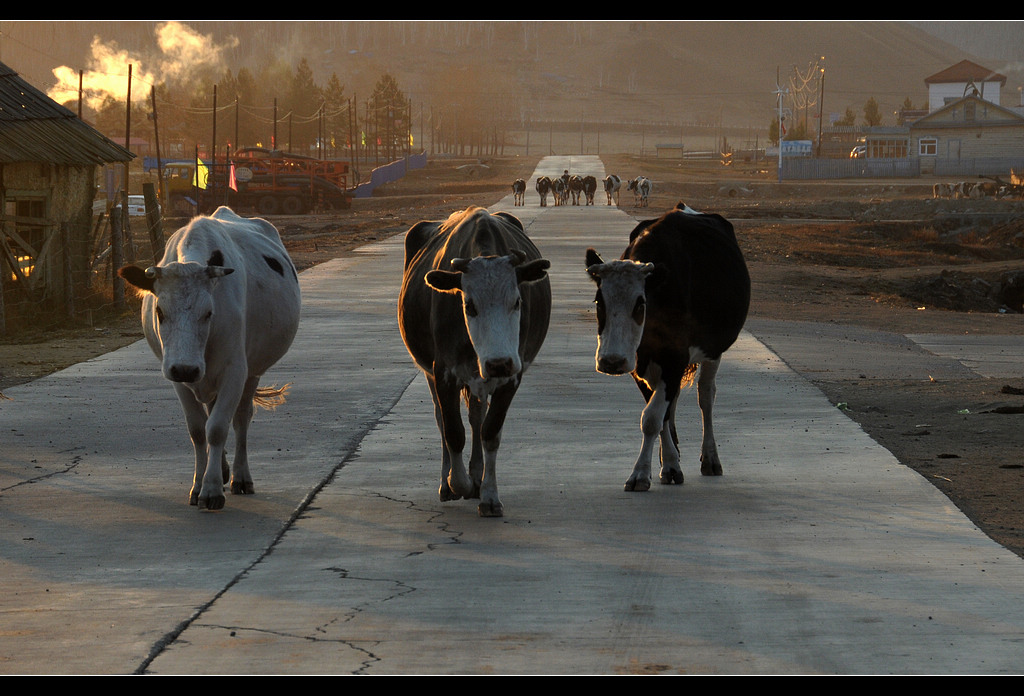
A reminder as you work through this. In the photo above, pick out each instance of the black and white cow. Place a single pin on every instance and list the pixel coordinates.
(641, 188)
(589, 188)
(543, 189)
(473, 311)
(612, 183)
(575, 188)
(667, 310)
(518, 192)
(559, 189)
(219, 310)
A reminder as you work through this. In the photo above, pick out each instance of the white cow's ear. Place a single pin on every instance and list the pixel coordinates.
(444, 281)
(218, 271)
(136, 277)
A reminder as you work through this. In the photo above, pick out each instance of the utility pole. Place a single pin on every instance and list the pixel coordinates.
(821, 105)
(782, 120)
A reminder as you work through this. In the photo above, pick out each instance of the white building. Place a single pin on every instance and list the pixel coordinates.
(957, 81)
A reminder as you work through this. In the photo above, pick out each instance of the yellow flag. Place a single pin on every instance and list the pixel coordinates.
(202, 175)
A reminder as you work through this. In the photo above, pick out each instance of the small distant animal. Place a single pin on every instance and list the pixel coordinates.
(575, 188)
(589, 188)
(518, 191)
(611, 188)
(667, 310)
(219, 309)
(641, 188)
(543, 189)
(559, 188)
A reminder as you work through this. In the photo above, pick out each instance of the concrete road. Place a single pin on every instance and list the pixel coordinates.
(816, 552)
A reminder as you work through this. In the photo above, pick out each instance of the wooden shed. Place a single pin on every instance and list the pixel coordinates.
(49, 163)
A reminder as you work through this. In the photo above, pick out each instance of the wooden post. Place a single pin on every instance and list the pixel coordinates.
(116, 256)
(69, 290)
(154, 221)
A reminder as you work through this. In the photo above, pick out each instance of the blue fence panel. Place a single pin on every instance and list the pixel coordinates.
(393, 171)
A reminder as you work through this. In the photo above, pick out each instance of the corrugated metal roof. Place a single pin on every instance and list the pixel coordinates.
(34, 128)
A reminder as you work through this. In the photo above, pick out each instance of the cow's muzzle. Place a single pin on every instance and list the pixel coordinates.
(613, 365)
(499, 367)
(184, 373)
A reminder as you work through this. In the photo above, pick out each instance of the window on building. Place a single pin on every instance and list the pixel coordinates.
(24, 230)
(896, 147)
(927, 147)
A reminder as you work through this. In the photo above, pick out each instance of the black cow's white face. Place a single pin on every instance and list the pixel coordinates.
(492, 306)
(621, 311)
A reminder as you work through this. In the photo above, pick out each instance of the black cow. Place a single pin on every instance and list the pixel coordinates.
(666, 312)
(589, 188)
(575, 188)
(473, 312)
(518, 192)
(543, 188)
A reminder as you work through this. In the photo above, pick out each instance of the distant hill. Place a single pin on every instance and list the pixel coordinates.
(720, 73)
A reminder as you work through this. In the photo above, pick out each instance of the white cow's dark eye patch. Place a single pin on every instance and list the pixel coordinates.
(275, 265)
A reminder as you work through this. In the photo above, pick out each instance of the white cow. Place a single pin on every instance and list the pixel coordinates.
(219, 310)
(641, 188)
(612, 183)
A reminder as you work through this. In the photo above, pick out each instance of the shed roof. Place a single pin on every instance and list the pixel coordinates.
(965, 71)
(34, 128)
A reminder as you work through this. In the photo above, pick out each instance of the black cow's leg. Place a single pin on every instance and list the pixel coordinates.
(490, 505)
(454, 433)
(444, 492)
(710, 464)
(671, 471)
(477, 409)
(651, 423)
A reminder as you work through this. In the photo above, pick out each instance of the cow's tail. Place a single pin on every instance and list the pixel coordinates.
(689, 374)
(269, 398)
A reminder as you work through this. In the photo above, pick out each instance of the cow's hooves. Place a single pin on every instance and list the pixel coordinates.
(490, 509)
(214, 503)
(711, 469)
(672, 477)
(193, 499)
(242, 487)
(637, 486)
(445, 496)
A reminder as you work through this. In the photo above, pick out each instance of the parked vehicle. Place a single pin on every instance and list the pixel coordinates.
(136, 206)
(275, 183)
(859, 152)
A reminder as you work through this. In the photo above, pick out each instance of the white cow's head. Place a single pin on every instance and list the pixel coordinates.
(621, 311)
(491, 305)
(182, 302)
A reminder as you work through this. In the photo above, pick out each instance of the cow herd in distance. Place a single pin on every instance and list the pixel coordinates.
(222, 306)
(570, 189)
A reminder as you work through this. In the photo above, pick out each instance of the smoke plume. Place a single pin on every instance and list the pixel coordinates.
(182, 54)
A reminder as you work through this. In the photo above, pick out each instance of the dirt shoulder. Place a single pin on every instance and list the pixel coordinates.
(882, 255)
